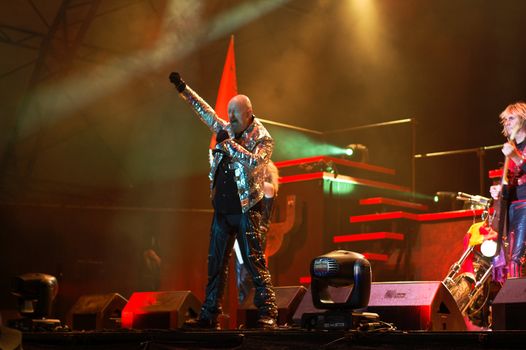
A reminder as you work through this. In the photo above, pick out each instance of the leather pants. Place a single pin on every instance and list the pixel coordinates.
(226, 228)
(517, 220)
(243, 281)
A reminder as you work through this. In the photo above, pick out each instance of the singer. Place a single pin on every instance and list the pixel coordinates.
(237, 172)
(513, 121)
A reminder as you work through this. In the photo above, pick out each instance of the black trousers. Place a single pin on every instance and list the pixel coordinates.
(226, 228)
(517, 219)
(243, 280)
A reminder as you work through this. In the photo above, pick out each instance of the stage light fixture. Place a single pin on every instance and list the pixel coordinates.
(446, 201)
(35, 293)
(357, 152)
(339, 268)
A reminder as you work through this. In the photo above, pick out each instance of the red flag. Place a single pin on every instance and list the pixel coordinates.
(227, 86)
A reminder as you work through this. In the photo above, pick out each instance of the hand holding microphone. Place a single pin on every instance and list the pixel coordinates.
(221, 136)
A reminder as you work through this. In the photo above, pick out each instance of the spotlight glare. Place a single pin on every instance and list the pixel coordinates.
(488, 248)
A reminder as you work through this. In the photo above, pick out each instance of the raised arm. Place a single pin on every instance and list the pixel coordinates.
(203, 110)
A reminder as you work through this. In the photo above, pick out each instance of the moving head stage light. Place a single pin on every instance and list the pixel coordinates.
(35, 293)
(337, 269)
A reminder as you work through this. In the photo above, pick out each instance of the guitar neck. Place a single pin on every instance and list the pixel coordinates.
(504, 180)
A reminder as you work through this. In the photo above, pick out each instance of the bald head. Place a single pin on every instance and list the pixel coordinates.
(240, 113)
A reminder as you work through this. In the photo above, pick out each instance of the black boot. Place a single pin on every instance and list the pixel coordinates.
(267, 322)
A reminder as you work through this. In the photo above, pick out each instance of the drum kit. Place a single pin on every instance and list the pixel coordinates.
(473, 290)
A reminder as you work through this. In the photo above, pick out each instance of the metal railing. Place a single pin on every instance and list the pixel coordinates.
(479, 151)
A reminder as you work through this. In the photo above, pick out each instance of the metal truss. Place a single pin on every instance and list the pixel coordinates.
(56, 51)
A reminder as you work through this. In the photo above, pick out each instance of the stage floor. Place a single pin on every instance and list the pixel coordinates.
(275, 339)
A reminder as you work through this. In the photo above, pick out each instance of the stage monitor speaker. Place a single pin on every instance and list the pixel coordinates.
(338, 294)
(416, 306)
(509, 306)
(160, 310)
(97, 311)
(287, 300)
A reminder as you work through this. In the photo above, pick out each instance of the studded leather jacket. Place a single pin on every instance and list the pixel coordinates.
(250, 153)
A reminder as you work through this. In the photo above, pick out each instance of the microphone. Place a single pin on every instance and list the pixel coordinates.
(469, 197)
(221, 136)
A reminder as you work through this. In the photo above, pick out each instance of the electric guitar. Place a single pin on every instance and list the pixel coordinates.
(500, 207)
